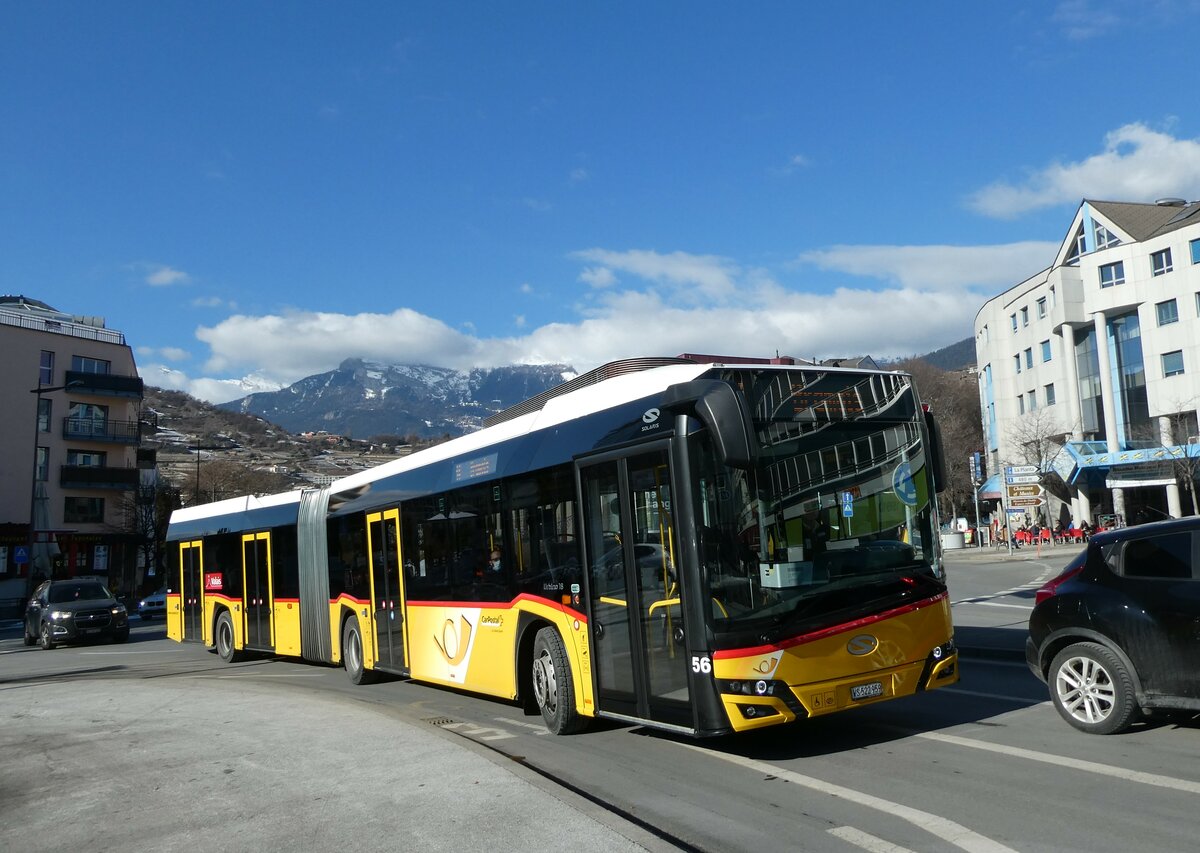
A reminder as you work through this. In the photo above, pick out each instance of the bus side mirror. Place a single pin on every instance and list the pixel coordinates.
(937, 457)
(724, 413)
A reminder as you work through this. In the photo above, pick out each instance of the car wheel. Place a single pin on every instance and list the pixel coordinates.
(44, 635)
(226, 646)
(30, 639)
(352, 654)
(553, 686)
(1092, 689)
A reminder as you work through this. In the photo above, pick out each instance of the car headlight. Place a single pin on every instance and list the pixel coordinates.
(119, 610)
(59, 615)
(142, 603)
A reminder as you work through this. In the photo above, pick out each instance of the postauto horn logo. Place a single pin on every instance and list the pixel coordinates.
(861, 645)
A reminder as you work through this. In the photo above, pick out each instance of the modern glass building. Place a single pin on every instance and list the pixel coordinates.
(1091, 368)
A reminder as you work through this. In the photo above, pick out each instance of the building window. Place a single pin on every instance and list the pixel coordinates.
(1045, 351)
(1172, 363)
(1198, 304)
(1017, 361)
(1032, 395)
(1029, 357)
(1168, 312)
(1195, 247)
(85, 364)
(1049, 389)
(88, 458)
(1012, 318)
(1041, 307)
(44, 414)
(1111, 274)
(41, 471)
(1160, 262)
(46, 368)
(1025, 316)
(1020, 404)
(83, 510)
(1105, 238)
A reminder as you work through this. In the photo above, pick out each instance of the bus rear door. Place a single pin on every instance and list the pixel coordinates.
(387, 593)
(634, 595)
(258, 603)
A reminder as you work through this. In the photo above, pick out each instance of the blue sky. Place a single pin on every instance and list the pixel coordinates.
(264, 189)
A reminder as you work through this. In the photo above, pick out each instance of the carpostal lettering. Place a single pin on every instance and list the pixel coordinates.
(492, 621)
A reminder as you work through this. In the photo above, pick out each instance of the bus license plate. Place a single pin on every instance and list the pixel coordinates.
(867, 691)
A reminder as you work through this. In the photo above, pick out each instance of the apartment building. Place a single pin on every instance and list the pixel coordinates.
(1091, 368)
(69, 425)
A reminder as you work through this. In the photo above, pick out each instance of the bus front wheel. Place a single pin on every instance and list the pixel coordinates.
(553, 687)
(226, 647)
(352, 654)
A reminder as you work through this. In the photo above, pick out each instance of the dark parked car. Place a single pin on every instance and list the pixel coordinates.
(1117, 634)
(73, 610)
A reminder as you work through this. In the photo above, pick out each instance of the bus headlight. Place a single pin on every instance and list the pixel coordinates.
(760, 687)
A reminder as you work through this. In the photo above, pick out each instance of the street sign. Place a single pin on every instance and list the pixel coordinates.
(1021, 469)
(20, 555)
(1029, 491)
(847, 504)
(1024, 503)
(1022, 478)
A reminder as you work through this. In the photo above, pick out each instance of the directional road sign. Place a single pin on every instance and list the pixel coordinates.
(1021, 469)
(1014, 503)
(1026, 491)
(1022, 478)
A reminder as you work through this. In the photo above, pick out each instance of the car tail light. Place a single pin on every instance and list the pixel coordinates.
(1050, 588)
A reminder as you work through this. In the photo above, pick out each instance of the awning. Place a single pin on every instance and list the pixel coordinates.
(992, 488)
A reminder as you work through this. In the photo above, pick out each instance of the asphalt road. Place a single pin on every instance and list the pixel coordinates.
(985, 765)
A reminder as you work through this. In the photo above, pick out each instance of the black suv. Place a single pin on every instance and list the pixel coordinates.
(1118, 632)
(72, 610)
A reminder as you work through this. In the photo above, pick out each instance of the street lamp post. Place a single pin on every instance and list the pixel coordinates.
(33, 478)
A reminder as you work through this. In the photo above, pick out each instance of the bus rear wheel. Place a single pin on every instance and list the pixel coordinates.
(352, 654)
(553, 686)
(226, 647)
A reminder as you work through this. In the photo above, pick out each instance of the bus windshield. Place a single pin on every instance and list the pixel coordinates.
(835, 518)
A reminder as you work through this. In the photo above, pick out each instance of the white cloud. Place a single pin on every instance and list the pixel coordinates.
(1137, 164)
(578, 176)
(526, 287)
(160, 275)
(213, 302)
(168, 353)
(519, 321)
(1084, 19)
(693, 276)
(939, 267)
(598, 276)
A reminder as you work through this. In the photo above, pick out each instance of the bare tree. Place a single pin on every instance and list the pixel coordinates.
(223, 478)
(953, 397)
(1036, 438)
(1177, 447)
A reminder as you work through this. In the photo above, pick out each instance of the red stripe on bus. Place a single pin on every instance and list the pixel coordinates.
(502, 605)
(828, 632)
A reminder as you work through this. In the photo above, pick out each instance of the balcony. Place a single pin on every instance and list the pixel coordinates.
(110, 432)
(104, 384)
(98, 477)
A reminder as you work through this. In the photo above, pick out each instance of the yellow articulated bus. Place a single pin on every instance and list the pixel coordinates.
(697, 546)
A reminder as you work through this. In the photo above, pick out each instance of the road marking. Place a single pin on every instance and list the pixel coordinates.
(1154, 779)
(944, 828)
(258, 675)
(148, 652)
(537, 730)
(1015, 700)
(998, 604)
(866, 841)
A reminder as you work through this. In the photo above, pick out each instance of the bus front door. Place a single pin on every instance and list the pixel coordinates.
(633, 589)
(258, 604)
(387, 593)
(191, 591)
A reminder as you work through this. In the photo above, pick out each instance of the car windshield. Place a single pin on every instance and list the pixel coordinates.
(835, 515)
(63, 593)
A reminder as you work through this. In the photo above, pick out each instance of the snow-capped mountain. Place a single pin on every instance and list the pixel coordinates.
(362, 398)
